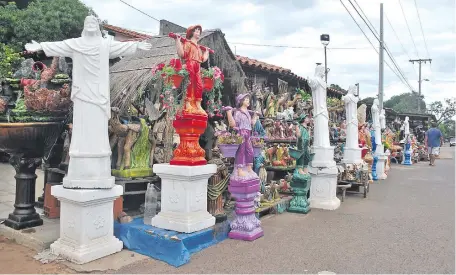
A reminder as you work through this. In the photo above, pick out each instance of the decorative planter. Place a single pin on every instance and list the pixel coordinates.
(228, 150)
(26, 143)
(295, 153)
(175, 79)
(208, 83)
(257, 150)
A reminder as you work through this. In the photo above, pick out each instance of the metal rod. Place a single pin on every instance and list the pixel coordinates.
(326, 68)
(380, 69)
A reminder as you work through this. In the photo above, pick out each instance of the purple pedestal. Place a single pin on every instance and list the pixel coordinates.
(245, 226)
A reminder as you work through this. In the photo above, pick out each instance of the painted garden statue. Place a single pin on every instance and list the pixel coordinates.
(301, 177)
(191, 122)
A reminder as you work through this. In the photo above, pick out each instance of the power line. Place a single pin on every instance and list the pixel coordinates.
(402, 45)
(366, 17)
(410, 32)
(296, 47)
(139, 11)
(354, 20)
(422, 32)
(386, 47)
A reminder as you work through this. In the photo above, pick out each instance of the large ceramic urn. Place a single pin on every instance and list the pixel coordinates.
(26, 143)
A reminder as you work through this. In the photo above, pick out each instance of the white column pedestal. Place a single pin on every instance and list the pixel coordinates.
(381, 166)
(352, 155)
(86, 224)
(184, 197)
(323, 188)
(324, 157)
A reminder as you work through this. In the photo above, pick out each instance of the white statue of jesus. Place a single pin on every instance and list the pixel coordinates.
(90, 163)
(351, 117)
(382, 119)
(406, 126)
(320, 110)
(375, 110)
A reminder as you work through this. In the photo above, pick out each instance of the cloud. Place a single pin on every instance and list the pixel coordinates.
(300, 23)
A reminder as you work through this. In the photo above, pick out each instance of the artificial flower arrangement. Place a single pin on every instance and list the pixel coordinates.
(214, 90)
(173, 73)
(229, 138)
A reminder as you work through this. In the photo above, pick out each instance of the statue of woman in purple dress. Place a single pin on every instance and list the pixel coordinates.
(241, 121)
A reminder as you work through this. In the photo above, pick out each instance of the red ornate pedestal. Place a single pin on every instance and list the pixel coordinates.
(189, 127)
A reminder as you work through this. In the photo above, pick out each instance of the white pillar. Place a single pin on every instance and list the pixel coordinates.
(184, 197)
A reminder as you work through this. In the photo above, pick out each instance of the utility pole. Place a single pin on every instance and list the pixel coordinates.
(419, 78)
(380, 69)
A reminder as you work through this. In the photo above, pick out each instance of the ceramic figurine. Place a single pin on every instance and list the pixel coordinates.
(301, 177)
(244, 182)
(270, 106)
(320, 115)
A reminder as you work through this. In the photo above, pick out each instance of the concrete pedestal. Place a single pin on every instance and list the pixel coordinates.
(352, 155)
(184, 197)
(381, 168)
(86, 224)
(323, 188)
(323, 157)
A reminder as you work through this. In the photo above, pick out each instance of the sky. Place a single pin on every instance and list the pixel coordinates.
(299, 23)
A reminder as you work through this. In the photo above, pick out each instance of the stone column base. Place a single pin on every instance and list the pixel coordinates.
(86, 224)
(381, 166)
(323, 188)
(184, 197)
(352, 155)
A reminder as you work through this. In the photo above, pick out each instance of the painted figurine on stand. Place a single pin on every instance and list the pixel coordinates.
(301, 177)
(189, 152)
(244, 182)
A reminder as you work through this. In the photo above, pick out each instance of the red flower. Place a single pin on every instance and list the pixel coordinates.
(160, 66)
(222, 77)
(176, 64)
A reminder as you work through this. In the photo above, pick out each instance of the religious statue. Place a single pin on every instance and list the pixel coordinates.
(244, 182)
(320, 111)
(351, 101)
(382, 119)
(406, 127)
(270, 106)
(303, 145)
(90, 152)
(193, 55)
(300, 182)
(376, 124)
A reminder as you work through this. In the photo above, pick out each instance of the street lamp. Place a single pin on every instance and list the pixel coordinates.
(324, 38)
(357, 89)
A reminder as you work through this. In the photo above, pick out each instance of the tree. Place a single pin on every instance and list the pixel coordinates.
(42, 20)
(405, 103)
(443, 112)
(368, 101)
(9, 61)
(337, 87)
(448, 128)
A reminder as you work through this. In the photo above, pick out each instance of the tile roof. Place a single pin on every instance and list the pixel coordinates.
(253, 63)
(129, 33)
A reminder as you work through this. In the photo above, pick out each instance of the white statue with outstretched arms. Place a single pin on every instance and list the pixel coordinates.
(90, 164)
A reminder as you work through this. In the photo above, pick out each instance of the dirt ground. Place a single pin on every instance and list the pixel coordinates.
(17, 259)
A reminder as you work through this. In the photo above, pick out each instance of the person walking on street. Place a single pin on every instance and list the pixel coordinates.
(433, 141)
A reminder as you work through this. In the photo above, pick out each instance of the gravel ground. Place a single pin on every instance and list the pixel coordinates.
(406, 225)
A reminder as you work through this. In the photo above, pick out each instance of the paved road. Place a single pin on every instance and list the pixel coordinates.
(406, 225)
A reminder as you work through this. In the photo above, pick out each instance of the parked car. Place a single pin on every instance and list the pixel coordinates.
(452, 142)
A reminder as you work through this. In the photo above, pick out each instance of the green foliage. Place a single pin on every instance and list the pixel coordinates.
(406, 103)
(368, 101)
(9, 61)
(448, 128)
(42, 20)
(443, 111)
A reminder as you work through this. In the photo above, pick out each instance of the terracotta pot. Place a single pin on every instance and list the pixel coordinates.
(228, 150)
(175, 79)
(208, 83)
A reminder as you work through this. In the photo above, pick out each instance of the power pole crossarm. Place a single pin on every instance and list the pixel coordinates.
(419, 78)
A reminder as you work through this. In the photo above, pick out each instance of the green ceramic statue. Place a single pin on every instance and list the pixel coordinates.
(301, 178)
